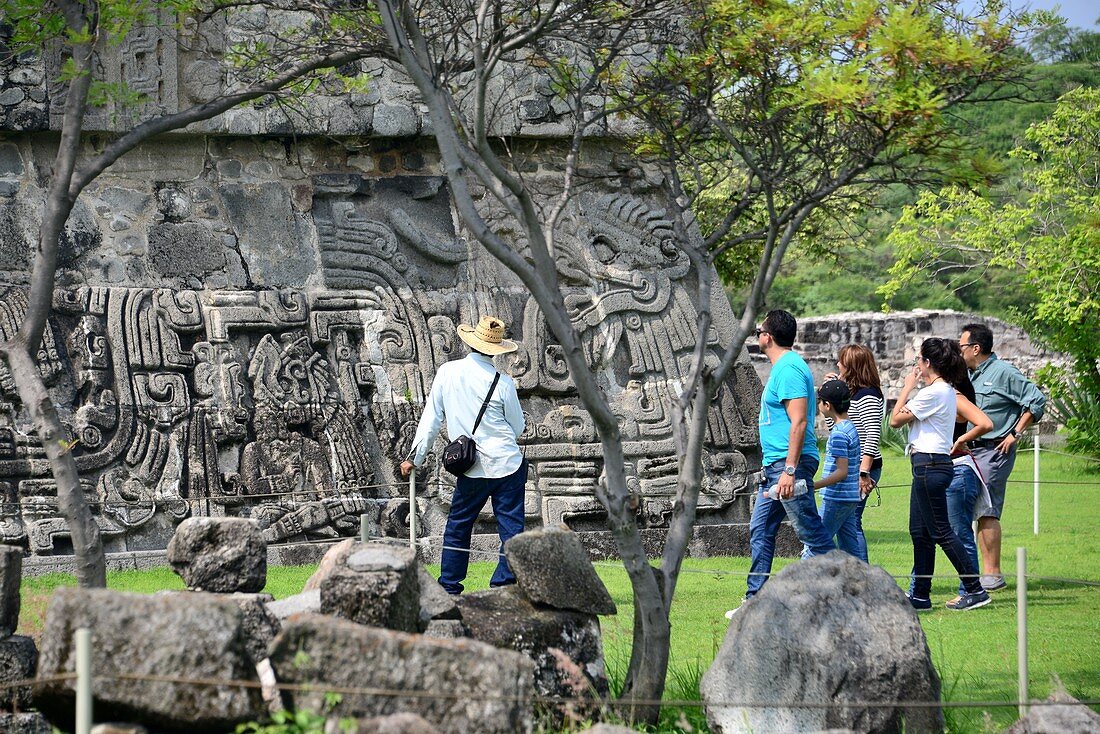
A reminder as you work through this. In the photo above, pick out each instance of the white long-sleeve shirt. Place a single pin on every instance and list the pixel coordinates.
(457, 392)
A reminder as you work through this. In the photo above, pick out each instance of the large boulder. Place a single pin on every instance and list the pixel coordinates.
(258, 622)
(11, 574)
(458, 686)
(553, 568)
(222, 554)
(565, 645)
(184, 636)
(1071, 718)
(375, 585)
(18, 661)
(829, 628)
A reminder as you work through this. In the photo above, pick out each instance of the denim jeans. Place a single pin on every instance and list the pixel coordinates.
(930, 525)
(837, 515)
(768, 514)
(962, 495)
(470, 496)
(849, 536)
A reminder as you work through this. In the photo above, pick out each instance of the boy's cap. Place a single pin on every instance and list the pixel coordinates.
(835, 392)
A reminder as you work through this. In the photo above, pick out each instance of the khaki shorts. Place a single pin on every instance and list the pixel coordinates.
(995, 468)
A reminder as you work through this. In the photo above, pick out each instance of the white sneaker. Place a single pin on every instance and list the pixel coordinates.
(731, 612)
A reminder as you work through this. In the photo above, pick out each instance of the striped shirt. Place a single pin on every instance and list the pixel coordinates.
(867, 411)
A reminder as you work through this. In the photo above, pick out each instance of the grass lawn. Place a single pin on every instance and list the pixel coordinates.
(975, 653)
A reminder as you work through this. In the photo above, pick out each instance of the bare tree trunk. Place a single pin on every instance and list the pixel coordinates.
(22, 349)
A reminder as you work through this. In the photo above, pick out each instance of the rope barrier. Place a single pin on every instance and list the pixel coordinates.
(1066, 453)
(321, 686)
(735, 572)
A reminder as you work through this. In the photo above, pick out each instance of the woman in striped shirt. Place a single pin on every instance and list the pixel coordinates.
(856, 366)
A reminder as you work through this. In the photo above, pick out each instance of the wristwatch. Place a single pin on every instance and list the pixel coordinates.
(789, 470)
(1014, 433)
(865, 474)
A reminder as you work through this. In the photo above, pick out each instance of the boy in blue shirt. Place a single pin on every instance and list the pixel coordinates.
(841, 497)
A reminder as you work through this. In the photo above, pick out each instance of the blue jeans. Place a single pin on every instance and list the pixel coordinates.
(962, 495)
(849, 536)
(768, 514)
(840, 519)
(929, 525)
(470, 496)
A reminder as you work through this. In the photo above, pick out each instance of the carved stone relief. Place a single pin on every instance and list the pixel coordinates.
(294, 405)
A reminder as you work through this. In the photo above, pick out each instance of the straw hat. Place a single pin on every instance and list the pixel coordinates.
(487, 337)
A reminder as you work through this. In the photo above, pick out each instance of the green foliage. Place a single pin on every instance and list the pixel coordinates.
(1077, 408)
(1048, 226)
(298, 722)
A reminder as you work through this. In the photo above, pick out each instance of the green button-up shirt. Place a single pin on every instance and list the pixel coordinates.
(1003, 393)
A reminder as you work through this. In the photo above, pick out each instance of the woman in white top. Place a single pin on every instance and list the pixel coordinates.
(930, 415)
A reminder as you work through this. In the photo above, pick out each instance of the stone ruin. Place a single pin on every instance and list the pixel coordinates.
(895, 340)
(250, 313)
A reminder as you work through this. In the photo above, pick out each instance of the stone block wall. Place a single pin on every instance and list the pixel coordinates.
(895, 339)
(250, 311)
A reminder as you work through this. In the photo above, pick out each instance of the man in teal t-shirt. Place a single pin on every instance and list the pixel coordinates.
(787, 411)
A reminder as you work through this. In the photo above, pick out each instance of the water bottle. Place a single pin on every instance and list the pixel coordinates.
(800, 488)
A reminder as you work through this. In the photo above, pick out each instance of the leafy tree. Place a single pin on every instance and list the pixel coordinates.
(1048, 227)
(769, 119)
(261, 65)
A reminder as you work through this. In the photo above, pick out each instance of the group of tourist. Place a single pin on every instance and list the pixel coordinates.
(963, 421)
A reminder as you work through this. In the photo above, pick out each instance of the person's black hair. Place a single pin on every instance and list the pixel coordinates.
(782, 326)
(981, 335)
(946, 359)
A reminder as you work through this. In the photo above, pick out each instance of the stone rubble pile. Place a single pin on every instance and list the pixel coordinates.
(18, 654)
(371, 617)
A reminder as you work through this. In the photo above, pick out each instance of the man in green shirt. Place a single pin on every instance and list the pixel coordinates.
(1013, 403)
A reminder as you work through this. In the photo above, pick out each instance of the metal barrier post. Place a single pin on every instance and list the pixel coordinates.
(364, 528)
(1035, 480)
(1021, 629)
(412, 510)
(83, 681)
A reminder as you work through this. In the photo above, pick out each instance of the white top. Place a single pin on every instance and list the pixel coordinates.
(457, 392)
(934, 408)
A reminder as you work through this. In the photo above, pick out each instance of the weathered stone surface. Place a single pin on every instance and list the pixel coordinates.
(403, 723)
(812, 618)
(199, 636)
(308, 602)
(377, 585)
(185, 250)
(219, 554)
(552, 567)
(477, 687)
(259, 623)
(565, 645)
(435, 602)
(11, 575)
(31, 723)
(445, 629)
(1072, 718)
(607, 729)
(18, 661)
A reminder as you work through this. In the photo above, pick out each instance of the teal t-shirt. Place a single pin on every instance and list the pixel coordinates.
(790, 378)
(843, 444)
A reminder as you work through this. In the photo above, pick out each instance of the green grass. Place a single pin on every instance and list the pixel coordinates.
(975, 653)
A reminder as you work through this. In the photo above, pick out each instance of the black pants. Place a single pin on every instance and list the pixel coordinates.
(930, 525)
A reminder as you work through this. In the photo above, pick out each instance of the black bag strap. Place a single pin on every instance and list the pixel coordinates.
(485, 404)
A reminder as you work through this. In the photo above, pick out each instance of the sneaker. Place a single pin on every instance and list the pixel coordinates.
(992, 582)
(967, 602)
(732, 612)
(921, 605)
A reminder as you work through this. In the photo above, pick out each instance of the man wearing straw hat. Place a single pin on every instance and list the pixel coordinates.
(460, 389)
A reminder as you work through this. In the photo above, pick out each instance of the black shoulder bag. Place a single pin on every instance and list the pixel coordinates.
(459, 455)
